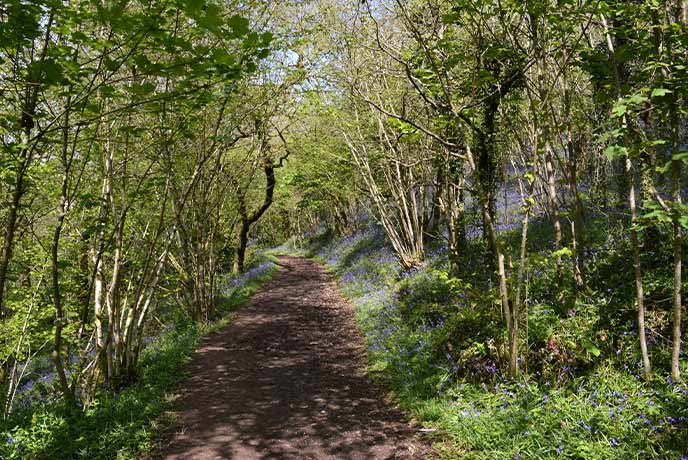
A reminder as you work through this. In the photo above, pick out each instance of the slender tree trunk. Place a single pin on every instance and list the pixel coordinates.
(513, 346)
(577, 230)
(248, 220)
(496, 249)
(57, 298)
(15, 379)
(638, 274)
(553, 205)
(577, 235)
(682, 16)
(60, 318)
(640, 294)
(112, 291)
(455, 210)
(456, 225)
(10, 231)
(486, 172)
(98, 275)
(678, 249)
(26, 158)
(240, 251)
(112, 303)
(511, 326)
(544, 140)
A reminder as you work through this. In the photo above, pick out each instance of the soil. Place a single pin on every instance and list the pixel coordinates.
(286, 380)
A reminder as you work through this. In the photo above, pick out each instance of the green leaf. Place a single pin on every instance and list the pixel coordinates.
(212, 20)
(193, 7)
(615, 151)
(221, 56)
(664, 168)
(590, 347)
(47, 71)
(619, 110)
(182, 44)
(683, 221)
(111, 64)
(637, 99)
(450, 18)
(266, 38)
(563, 252)
(680, 156)
(239, 25)
(658, 215)
(78, 36)
(141, 89)
(659, 92)
(107, 91)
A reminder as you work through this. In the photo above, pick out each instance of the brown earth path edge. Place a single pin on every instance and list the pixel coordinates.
(286, 380)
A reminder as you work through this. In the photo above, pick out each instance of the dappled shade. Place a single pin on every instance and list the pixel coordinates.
(286, 381)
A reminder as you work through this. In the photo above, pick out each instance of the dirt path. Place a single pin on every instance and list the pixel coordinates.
(285, 381)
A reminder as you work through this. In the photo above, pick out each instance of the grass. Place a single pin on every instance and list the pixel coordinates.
(439, 343)
(124, 425)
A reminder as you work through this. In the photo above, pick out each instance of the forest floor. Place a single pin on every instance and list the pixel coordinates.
(287, 380)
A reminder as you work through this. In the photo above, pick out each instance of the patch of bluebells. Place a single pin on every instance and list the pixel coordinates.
(507, 226)
(383, 310)
(34, 389)
(241, 280)
(424, 287)
(611, 415)
(473, 232)
(362, 279)
(335, 253)
(438, 257)
(613, 411)
(366, 264)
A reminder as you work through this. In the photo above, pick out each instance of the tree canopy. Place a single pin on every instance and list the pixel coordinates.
(148, 148)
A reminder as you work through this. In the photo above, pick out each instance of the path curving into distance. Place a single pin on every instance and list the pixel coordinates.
(286, 381)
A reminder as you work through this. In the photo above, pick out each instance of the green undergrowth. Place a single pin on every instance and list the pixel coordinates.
(124, 425)
(439, 343)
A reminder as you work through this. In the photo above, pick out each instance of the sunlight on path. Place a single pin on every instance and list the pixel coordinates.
(286, 381)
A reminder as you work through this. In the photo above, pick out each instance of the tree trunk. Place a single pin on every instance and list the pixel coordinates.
(240, 250)
(640, 294)
(26, 157)
(486, 173)
(511, 322)
(249, 219)
(55, 269)
(513, 346)
(682, 10)
(678, 248)
(10, 231)
(553, 206)
(57, 299)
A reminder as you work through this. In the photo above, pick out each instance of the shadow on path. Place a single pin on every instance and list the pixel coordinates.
(285, 381)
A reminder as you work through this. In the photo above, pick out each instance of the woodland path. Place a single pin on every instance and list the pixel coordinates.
(286, 380)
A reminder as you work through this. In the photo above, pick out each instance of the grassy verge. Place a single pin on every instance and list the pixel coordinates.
(122, 426)
(440, 346)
